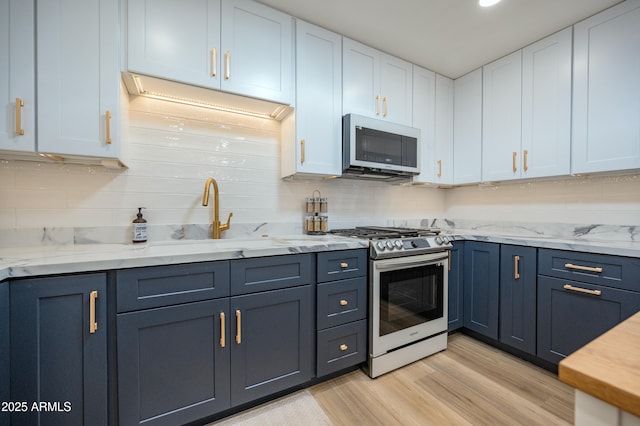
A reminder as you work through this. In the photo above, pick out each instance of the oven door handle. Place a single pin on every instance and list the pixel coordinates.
(408, 264)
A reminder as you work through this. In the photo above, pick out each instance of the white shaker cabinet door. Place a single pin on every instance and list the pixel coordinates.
(17, 76)
(501, 118)
(361, 79)
(396, 88)
(444, 131)
(467, 125)
(257, 51)
(546, 107)
(606, 91)
(424, 118)
(176, 40)
(78, 77)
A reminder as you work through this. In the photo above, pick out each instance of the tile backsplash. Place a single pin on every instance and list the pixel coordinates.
(172, 149)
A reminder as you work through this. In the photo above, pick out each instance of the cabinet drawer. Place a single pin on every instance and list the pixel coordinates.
(270, 273)
(338, 265)
(611, 271)
(341, 347)
(156, 286)
(342, 301)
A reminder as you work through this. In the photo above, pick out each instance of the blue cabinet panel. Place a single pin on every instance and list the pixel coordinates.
(270, 273)
(273, 344)
(173, 366)
(518, 266)
(481, 287)
(339, 265)
(341, 347)
(54, 354)
(455, 306)
(156, 286)
(4, 349)
(569, 319)
(341, 301)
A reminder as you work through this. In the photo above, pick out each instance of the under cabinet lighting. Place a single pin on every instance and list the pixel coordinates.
(487, 3)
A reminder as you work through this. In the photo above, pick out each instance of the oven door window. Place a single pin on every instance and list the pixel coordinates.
(410, 297)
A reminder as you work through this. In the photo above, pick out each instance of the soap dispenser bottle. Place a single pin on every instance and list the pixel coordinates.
(140, 228)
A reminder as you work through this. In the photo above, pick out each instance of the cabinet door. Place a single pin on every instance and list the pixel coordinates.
(173, 363)
(17, 75)
(361, 79)
(501, 118)
(4, 350)
(396, 89)
(318, 139)
(182, 43)
(606, 104)
(55, 353)
(78, 77)
(467, 133)
(456, 288)
(444, 131)
(569, 319)
(546, 106)
(424, 118)
(518, 297)
(481, 287)
(257, 50)
(273, 342)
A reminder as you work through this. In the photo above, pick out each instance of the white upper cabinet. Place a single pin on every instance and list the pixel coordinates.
(467, 128)
(238, 46)
(501, 118)
(424, 118)
(546, 107)
(17, 76)
(312, 136)
(606, 91)
(444, 131)
(375, 84)
(78, 77)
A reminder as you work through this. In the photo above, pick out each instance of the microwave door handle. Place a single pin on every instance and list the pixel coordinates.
(402, 265)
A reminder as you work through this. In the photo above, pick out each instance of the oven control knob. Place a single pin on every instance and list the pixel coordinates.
(390, 245)
(445, 240)
(439, 240)
(380, 245)
(398, 244)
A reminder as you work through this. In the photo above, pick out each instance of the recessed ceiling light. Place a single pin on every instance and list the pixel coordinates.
(487, 3)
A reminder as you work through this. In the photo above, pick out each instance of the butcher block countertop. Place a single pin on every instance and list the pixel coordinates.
(608, 368)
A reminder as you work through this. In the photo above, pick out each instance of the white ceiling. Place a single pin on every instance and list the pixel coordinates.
(451, 37)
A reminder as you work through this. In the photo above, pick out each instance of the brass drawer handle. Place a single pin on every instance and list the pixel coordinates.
(582, 268)
(516, 272)
(19, 105)
(439, 168)
(302, 153)
(525, 167)
(378, 104)
(214, 61)
(384, 102)
(93, 324)
(343, 347)
(515, 167)
(238, 326)
(582, 290)
(222, 332)
(344, 265)
(343, 302)
(227, 65)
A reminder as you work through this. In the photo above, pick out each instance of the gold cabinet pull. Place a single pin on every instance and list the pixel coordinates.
(582, 268)
(343, 302)
(524, 160)
(108, 131)
(93, 324)
(222, 331)
(582, 290)
(378, 104)
(384, 102)
(516, 272)
(343, 347)
(214, 61)
(19, 105)
(227, 65)
(344, 265)
(515, 168)
(238, 326)
(439, 168)
(302, 151)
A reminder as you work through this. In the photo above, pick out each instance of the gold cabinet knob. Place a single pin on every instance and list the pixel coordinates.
(344, 265)
(343, 302)
(343, 347)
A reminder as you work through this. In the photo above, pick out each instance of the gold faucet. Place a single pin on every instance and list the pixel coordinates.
(217, 226)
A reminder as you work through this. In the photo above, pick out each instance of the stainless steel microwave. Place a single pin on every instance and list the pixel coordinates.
(378, 149)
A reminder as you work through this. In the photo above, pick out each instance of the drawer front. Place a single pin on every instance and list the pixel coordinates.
(155, 286)
(270, 273)
(340, 302)
(338, 265)
(341, 347)
(612, 271)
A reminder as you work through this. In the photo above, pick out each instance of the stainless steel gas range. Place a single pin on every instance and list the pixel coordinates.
(408, 271)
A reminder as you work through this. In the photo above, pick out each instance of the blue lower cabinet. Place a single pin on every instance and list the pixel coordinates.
(59, 350)
(341, 347)
(571, 314)
(518, 266)
(455, 307)
(173, 363)
(481, 287)
(272, 345)
(4, 350)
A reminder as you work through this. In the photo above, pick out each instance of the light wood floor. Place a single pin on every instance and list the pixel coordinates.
(470, 383)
